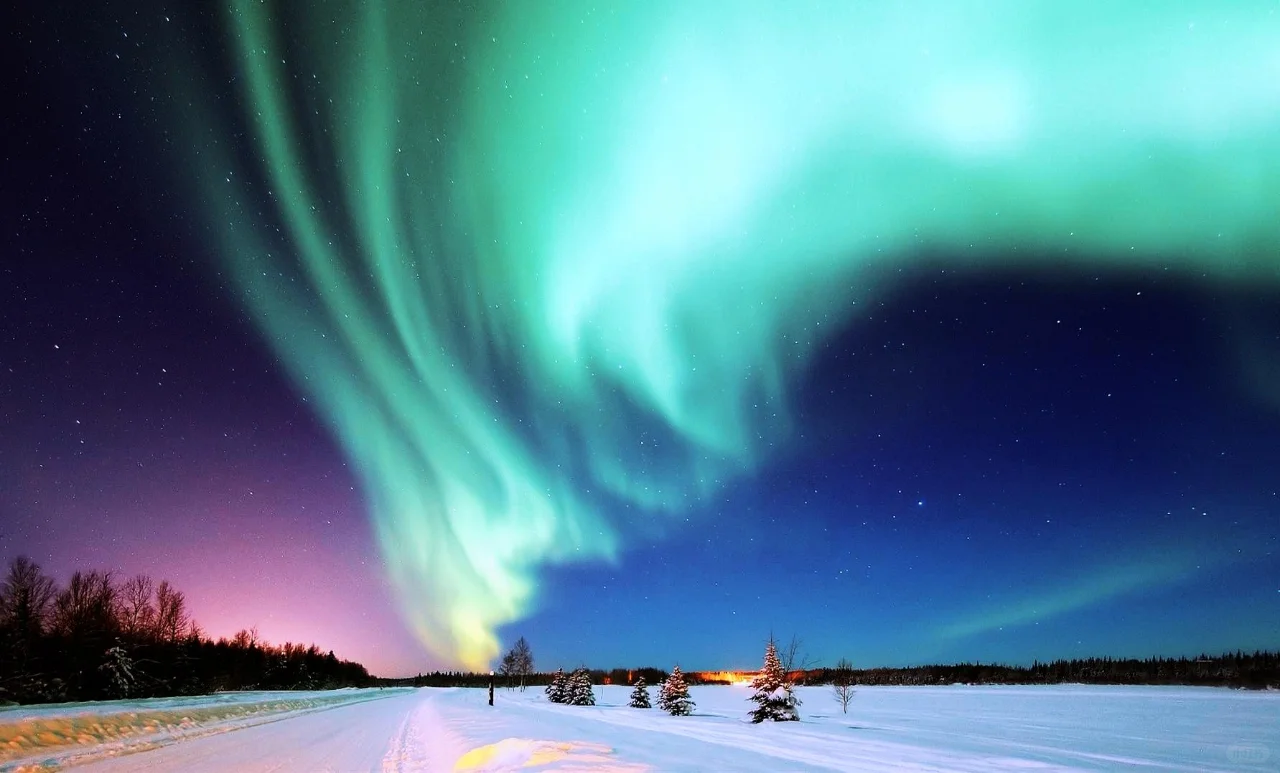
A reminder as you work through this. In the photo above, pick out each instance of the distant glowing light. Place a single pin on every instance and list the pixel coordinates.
(734, 678)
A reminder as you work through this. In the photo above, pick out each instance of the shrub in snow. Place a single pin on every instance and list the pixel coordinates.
(640, 695)
(558, 690)
(118, 668)
(580, 691)
(842, 684)
(673, 696)
(773, 695)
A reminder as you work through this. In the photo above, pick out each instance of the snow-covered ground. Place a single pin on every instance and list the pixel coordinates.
(887, 729)
(64, 734)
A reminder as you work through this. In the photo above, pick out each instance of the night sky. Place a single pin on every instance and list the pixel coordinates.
(930, 333)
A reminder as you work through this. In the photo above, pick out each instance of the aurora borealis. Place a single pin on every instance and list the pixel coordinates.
(575, 287)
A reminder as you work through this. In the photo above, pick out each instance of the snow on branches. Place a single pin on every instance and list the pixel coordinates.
(673, 697)
(773, 694)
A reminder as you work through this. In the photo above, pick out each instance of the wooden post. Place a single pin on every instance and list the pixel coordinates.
(490, 688)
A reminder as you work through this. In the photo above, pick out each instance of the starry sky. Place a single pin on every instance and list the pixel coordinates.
(927, 332)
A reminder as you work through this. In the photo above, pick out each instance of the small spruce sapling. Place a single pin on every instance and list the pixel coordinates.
(581, 692)
(773, 696)
(557, 690)
(118, 667)
(640, 695)
(673, 697)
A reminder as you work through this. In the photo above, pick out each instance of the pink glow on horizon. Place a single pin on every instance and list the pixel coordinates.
(289, 553)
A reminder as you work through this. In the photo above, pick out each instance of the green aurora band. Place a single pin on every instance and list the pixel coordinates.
(549, 268)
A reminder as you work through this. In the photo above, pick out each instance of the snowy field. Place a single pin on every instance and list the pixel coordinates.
(887, 729)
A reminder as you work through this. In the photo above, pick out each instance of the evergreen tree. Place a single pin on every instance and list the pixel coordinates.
(557, 690)
(118, 667)
(580, 690)
(773, 696)
(673, 696)
(640, 695)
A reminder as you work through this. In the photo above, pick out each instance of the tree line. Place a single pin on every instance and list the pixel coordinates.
(1257, 670)
(622, 676)
(102, 637)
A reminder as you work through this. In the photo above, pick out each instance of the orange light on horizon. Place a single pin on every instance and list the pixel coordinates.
(732, 677)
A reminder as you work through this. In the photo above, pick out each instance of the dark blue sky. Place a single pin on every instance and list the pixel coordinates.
(991, 468)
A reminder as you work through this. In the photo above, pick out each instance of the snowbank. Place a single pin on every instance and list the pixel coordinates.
(66, 733)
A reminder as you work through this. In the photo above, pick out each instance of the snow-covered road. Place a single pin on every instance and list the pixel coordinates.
(356, 736)
(966, 729)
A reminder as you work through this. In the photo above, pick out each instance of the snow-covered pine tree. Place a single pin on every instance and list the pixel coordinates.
(673, 697)
(118, 667)
(640, 695)
(557, 690)
(580, 691)
(773, 696)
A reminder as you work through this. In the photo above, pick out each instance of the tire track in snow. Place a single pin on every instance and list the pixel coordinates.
(424, 741)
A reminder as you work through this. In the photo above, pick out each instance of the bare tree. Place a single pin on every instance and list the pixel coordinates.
(172, 621)
(508, 668)
(524, 660)
(247, 638)
(26, 606)
(26, 599)
(517, 664)
(137, 614)
(87, 606)
(84, 618)
(842, 683)
(793, 658)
